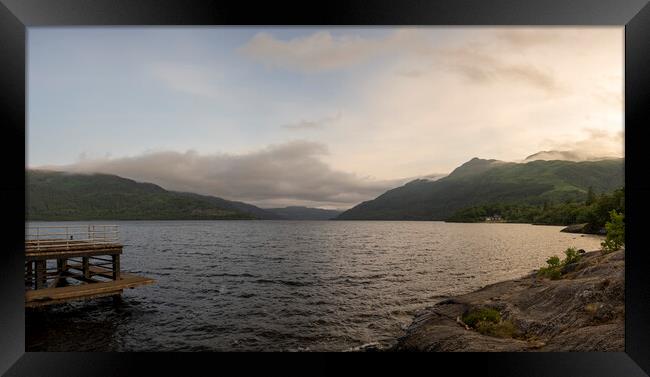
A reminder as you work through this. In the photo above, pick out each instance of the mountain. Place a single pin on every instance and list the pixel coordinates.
(65, 196)
(304, 213)
(481, 181)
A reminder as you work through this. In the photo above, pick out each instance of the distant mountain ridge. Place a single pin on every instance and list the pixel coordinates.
(481, 181)
(304, 213)
(61, 196)
(58, 196)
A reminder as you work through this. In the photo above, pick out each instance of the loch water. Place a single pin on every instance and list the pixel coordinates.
(289, 285)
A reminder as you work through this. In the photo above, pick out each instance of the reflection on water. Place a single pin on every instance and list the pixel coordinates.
(288, 285)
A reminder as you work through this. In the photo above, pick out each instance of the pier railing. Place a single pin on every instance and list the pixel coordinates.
(71, 262)
(42, 238)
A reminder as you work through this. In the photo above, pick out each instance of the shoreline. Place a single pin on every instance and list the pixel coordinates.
(581, 311)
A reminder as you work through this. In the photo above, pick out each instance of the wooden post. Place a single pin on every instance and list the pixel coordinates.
(86, 267)
(116, 266)
(41, 279)
(61, 265)
(30, 278)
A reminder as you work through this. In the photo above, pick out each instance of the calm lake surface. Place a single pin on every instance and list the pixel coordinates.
(289, 285)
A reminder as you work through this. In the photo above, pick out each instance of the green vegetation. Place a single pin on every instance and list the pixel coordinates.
(487, 321)
(615, 227)
(547, 192)
(554, 267)
(594, 211)
(572, 256)
(57, 196)
(475, 316)
(503, 329)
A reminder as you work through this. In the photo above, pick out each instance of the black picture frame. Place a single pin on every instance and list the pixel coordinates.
(17, 15)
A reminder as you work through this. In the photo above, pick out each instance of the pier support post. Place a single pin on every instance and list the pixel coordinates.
(116, 266)
(41, 278)
(85, 261)
(30, 278)
(61, 265)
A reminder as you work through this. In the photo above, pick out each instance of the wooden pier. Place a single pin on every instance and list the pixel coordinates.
(64, 263)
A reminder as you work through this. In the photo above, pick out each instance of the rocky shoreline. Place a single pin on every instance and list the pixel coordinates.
(581, 311)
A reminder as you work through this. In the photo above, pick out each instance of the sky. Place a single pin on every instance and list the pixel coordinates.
(321, 117)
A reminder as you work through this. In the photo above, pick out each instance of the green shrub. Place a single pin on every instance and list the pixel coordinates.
(552, 273)
(615, 232)
(553, 261)
(473, 317)
(554, 266)
(552, 270)
(487, 321)
(572, 256)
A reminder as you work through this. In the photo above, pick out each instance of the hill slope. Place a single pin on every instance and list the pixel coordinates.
(63, 196)
(480, 181)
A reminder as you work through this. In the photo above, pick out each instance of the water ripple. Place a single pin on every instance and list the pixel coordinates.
(289, 286)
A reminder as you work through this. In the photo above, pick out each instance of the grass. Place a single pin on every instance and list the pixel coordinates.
(503, 329)
(488, 321)
(475, 316)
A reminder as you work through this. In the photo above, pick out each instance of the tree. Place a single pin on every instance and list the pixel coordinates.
(591, 197)
(615, 232)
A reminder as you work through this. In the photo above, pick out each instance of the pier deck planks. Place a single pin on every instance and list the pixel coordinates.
(46, 296)
(37, 252)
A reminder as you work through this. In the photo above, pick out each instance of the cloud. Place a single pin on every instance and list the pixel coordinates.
(187, 78)
(412, 73)
(489, 73)
(284, 174)
(313, 124)
(597, 144)
(610, 96)
(321, 51)
(316, 52)
(478, 65)
(475, 59)
(529, 38)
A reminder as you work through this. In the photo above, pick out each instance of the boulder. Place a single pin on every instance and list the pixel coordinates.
(575, 228)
